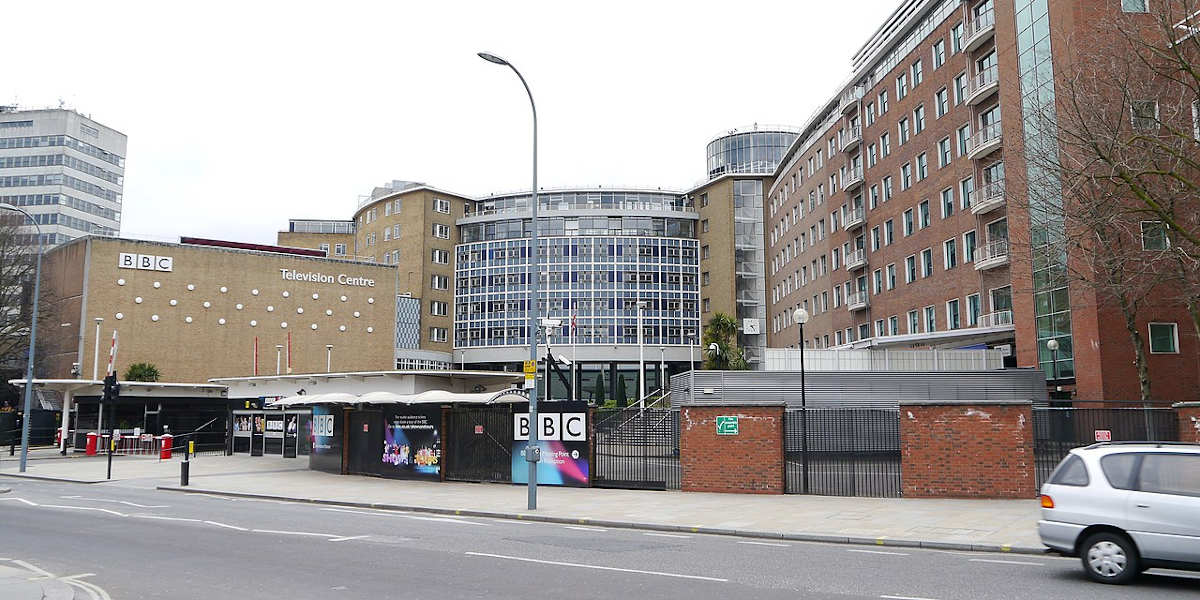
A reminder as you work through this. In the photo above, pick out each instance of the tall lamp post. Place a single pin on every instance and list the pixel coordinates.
(1052, 346)
(37, 283)
(531, 449)
(328, 358)
(641, 360)
(801, 317)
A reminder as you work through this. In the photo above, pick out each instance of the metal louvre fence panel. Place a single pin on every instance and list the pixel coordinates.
(636, 449)
(1057, 430)
(484, 456)
(851, 451)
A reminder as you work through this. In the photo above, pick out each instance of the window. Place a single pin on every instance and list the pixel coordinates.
(966, 190)
(441, 205)
(704, 226)
(703, 200)
(439, 282)
(871, 155)
(908, 222)
(1135, 6)
(339, 249)
(963, 134)
(441, 257)
(387, 233)
(1118, 469)
(973, 310)
(923, 211)
(325, 249)
(902, 129)
(939, 53)
(894, 325)
(1196, 119)
(870, 114)
(910, 268)
(945, 155)
(969, 246)
(1175, 474)
(706, 305)
(919, 119)
(878, 281)
(396, 231)
(889, 233)
(960, 88)
(874, 197)
(956, 38)
(880, 330)
(930, 319)
(914, 322)
(947, 202)
(953, 316)
(704, 278)
(704, 252)
(927, 262)
(942, 101)
(1164, 338)
(922, 166)
(875, 239)
(891, 276)
(918, 73)
(438, 308)
(905, 176)
(950, 253)
(901, 86)
(1145, 115)
(1154, 236)
(887, 188)
(437, 334)
(441, 231)
(1071, 472)
(883, 103)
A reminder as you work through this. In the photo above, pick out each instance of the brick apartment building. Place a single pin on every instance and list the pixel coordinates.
(889, 218)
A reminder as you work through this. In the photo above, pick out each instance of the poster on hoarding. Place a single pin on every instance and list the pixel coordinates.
(412, 443)
(562, 431)
(327, 424)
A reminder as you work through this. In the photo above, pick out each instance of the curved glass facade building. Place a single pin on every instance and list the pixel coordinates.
(748, 152)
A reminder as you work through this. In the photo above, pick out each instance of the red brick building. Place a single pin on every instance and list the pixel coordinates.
(892, 222)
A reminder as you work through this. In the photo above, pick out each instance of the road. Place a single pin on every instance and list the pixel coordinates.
(137, 542)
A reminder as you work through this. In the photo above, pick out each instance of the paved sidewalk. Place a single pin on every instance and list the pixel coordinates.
(16, 584)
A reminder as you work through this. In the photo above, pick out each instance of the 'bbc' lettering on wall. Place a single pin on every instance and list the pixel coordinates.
(567, 427)
(145, 262)
(323, 425)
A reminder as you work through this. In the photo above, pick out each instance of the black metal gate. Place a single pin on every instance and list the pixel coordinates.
(1056, 430)
(636, 449)
(364, 436)
(479, 443)
(850, 452)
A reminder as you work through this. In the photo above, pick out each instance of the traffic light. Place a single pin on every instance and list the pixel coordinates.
(112, 389)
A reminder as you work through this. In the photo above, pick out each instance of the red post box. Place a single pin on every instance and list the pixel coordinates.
(91, 443)
(165, 452)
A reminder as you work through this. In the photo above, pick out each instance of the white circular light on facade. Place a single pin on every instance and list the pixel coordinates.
(329, 312)
(299, 310)
(357, 314)
(120, 316)
(254, 323)
(187, 319)
(286, 294)
(283, 325)
(173, 302)
(191, 287)
(254, 292)
(224, 289)
(238, 306)
(370, 301)
(137, 300)
(221, 321)
(344, 298)
(342, 328)
(314, 326)
(157, 284)
(370, 330)
(154, 318)
(315, 296)
(270, 308)
(120, 282)
(207, 304)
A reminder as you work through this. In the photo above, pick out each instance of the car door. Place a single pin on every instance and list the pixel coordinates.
(1164, 507)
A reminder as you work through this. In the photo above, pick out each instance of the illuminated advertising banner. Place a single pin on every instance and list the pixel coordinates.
(562, 430)
(327, 436)
(412, 443)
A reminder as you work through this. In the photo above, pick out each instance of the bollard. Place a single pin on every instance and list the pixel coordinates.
(111, 446)
(183, 471)
(191, 448)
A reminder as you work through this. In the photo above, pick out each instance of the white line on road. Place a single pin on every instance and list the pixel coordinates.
(578, 528)
(669, 535)
(905, 597)
(347, 538)
(767, 544)
(597, 567)
(324, 535)
(167, 518)
(406, 516)
(443, 520)
(35, 569)
(1007, 562)
(93, 590)
(103, 510)
(117, 501)
(225, 526)
(879, 552)
(22, 500)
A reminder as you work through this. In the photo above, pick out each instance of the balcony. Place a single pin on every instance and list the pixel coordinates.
(853, 178)
(857, 301)
(850, 138)
(991, 255)
(999, 318)
(849, 100)
(982, 85)
(979, 29)
(984, 142)
(989, 198)
(856, 259)
(855, 217)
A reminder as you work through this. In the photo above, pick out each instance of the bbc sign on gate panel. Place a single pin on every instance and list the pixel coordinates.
(145, 262)
(567, 427)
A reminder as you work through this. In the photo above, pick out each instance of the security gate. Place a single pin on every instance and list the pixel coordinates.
(1056, 430)
(479, 442)
(849, 452)
(636, 449)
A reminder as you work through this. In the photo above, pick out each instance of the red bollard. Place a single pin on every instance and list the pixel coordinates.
(165, 453)
(91, 443)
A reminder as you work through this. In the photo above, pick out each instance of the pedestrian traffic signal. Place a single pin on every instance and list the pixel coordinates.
(112, 389)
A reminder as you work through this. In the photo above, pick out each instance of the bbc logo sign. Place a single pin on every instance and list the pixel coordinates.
(567, 427)
(323, 425)
(146, 262)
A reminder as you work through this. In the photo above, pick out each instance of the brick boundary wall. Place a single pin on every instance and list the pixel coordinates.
(1189, 421)
(750, 462)
(967, 449)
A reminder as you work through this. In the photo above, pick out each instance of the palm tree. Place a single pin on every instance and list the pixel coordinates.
(141, 372)
(722, 331)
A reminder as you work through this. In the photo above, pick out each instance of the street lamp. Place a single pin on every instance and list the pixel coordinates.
(278, 357)
(531, 452)
(692, 363)
(641, 360)
(328, 358)
(1052, 346)
(37, 281)
(801, 317)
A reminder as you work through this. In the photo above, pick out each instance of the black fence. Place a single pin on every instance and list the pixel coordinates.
(1056, 430)
(636, 449)
(850, 452)
(479, 443)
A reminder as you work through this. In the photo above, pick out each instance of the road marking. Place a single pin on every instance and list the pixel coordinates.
(347, 538)
(167, 518)
(22, 500)
(103, 510)
(308, 533)
(406, 516)
(767, 544)
(597, 567)
(93, 590)
(443, 520)
(116, 501)
(225, 526)
(669, 535)
(578, 528)
(879, 552)
(38, 570)
(905, 597)
(1007, 562)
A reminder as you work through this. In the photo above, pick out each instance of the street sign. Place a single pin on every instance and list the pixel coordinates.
(727, 425)
(479, 430)
(530, 367)
(1103, 435)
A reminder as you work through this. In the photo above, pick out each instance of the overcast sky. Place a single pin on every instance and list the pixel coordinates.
(243, 114)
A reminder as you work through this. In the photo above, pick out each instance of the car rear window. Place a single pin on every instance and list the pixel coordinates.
(1177, 474)
(1118, 469)
(1071, 472)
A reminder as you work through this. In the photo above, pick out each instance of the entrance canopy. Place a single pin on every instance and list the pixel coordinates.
(379, 398)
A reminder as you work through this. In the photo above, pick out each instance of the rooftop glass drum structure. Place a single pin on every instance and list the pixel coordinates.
(748, 152)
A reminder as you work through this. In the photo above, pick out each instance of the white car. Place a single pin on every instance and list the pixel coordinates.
(1124, 508)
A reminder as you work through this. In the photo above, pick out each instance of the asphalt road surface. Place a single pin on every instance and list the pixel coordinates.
(132, 542)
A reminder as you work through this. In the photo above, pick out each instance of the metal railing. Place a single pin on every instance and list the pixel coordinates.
(857, 300)
(636, 448)
(849, 136)
(982, 138)
(990, 196)
(842, 452)
(856, 258)
(996, 319)
(850, 98)
(977, 25)
(855, 216)
(854, 176)
(983, 79)
(1056, 430)
(902, 361)
(993, 250)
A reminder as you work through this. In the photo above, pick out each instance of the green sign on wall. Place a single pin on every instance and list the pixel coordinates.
(727, 425)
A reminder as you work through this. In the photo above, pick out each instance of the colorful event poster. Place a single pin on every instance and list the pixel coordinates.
(562, 436)
(412, 443)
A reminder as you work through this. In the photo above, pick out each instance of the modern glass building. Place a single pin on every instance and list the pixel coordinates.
(755, 151)
(602, 252)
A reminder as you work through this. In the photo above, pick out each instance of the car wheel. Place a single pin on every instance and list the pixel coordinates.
(1110, 558)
